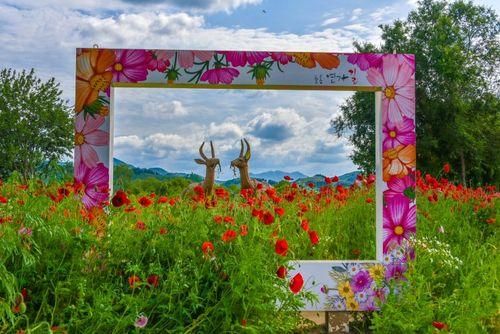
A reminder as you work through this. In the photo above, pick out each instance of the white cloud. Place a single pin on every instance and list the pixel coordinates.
(277, 124)
(356, 12)
(226, 130)
(331, 20)
(165, 110)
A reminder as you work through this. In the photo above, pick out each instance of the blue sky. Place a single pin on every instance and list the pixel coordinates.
(159, 127)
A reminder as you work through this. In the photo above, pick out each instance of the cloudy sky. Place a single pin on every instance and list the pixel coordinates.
(158, 127)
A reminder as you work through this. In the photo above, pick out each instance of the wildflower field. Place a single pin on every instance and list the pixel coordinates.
(159, 263)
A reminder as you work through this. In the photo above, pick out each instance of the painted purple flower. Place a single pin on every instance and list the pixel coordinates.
(399, 221)
(366, 60)
(87, 135)
(398, 84)
(220, 75)
(396, 134)
(283, 57)
(186, 58)
(130, 66)
(158, 60)
(241, 58)
(398, 187)
(95, 183)
(141, 321)
(395, 271)
(361, 281)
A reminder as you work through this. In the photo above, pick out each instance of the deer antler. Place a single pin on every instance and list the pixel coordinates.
(247, 153)
(212, 149)
(241, 151)
(201, 151)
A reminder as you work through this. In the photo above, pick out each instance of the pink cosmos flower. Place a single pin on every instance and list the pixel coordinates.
(240, 58)
(283, 57)
(366, 60)
(398, 186)
(361, 281)
(25, 231)
(130, 66)
(141, 321)
(158, 60)
(396, 134)
(399, 221)
(220, 75)
(186, 58)
(398, 84)
(87, 135)
(95, 184)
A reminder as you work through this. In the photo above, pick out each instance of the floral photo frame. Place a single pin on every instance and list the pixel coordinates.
(339, 285)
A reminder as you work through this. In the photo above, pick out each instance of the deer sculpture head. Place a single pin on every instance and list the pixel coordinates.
(241, 162)
(210, 163)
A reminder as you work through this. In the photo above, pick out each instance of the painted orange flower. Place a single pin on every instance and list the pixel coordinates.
(399, 161)
(92, 75)
(309, 60)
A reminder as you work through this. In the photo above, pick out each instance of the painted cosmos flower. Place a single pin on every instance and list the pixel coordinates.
(186, 58)
(223, 75)
(283, 57)
(398, 187)
(309, 60)
(95, 182)
(399, 161)
(241, 58)
(395, 271)
(92, 75)
(361, 281)
(396, 134)
(399, 221)
(158, 60)
(130, 66)
(365, 60)
(87, 134)
(397, 80)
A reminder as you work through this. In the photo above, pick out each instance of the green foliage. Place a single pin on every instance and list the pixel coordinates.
(457, 54)
(36, 126)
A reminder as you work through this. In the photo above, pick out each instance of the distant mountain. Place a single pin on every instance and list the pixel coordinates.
(271, 177)
(277, 175)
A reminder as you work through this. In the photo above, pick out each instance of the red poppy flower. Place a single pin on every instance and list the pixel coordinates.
(145, 201)
(281, 247)
(229, 235)
(440, 325)
(3, 200)
(369, 200)
(267, 218)
(335, 179)
(328, 180)
(229, 220)
(257, 213)
(133, 281)
(218, 219)
(490, 221)
(279, 211)
(162, 199)
(172, 202)
(286, 177)
(120, 199)
(281, 272)
(296, 283)
(359, 177)
(207, 247)
(294, 185)
(243, 230)
(163, 231)
(140, 226)
(153, 280)
(313, 236)
(446, 168)
(305, 225)
(310, 185)
(260, 186)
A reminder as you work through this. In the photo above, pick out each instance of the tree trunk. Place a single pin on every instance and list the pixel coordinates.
(462, 162)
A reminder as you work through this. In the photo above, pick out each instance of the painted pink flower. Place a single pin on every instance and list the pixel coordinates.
(395, 271)
(220, 75)
(361, 281)
(366, 60)
(186, 58)
(87, 135)
(95, 184)
(399, 186)
(399, 221)
(130, 66)
(398, 84)
(158, 60)
(283, 57)
(396, 134)
(241, 58)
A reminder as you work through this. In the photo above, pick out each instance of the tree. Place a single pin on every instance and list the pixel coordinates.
(36, 126)
(457, 54)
